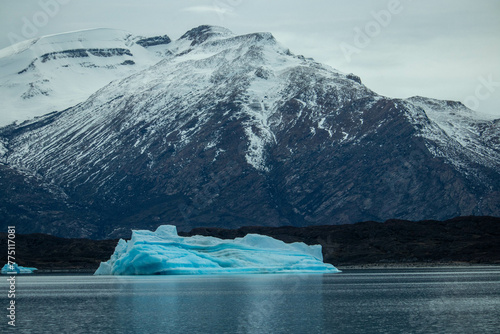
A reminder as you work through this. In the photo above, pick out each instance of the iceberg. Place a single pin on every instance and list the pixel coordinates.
(164, 252)
(15, 269)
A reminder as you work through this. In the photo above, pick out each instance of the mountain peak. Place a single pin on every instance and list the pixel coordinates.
(200, 34)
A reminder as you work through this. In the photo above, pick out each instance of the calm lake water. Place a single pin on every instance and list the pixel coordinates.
(354, 301)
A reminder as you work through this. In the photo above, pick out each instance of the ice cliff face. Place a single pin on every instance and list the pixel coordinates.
(231, 130)
(163, 252)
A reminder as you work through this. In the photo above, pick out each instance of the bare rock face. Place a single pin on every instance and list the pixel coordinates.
(229, 131)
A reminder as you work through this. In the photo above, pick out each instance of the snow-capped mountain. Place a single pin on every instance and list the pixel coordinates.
(229, 130)
(59, 71)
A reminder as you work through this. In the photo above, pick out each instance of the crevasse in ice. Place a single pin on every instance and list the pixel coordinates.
(164, 252)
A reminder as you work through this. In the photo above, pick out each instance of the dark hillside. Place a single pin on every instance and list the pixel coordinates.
(472, 240)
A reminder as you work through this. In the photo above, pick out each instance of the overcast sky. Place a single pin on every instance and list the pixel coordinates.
(446, 49)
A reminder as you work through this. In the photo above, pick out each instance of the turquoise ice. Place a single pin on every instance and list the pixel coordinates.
(164, 252)
(15, 269)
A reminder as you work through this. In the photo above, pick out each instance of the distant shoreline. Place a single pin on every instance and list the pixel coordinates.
(458, 242)
(368, 266)
(416, 265)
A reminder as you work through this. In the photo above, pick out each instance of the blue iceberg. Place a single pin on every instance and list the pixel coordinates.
(15, 269)
(164, 252)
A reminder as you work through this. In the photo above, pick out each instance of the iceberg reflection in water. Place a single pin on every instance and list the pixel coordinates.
(164, 252)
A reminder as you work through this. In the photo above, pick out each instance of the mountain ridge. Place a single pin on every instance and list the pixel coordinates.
(230, 130)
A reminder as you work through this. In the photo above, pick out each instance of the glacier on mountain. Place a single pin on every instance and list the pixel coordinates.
(164, 252)
(55, 72)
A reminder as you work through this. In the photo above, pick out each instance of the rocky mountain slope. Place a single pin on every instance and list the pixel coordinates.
(231, 130)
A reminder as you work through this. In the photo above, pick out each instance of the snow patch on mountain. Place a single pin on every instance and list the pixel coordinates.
(455, 131)
(3, 149)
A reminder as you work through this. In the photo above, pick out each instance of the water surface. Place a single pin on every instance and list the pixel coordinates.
(355, 301)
